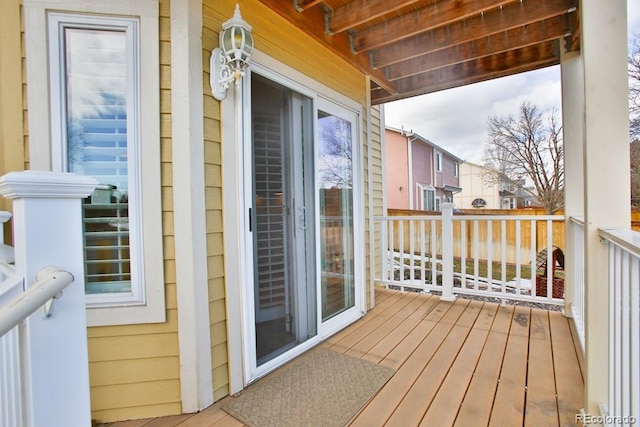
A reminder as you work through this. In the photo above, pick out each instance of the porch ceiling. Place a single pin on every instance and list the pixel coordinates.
(414, 47)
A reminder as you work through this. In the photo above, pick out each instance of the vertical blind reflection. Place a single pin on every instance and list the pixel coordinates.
(96, 77)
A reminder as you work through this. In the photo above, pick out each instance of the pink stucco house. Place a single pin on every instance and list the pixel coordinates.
(420, 175)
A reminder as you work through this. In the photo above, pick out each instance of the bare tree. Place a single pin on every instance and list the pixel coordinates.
(634, 87)
(335, 157)
(528, 147)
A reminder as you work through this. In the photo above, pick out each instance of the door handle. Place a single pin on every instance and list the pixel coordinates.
(303, 217)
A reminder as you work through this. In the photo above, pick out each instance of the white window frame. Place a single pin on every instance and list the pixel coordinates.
(147, 304)
(438, 161)
(236, 247)
(456, 169)
(424, 189)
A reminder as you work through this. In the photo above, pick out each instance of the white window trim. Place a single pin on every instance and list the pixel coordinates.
(438, 159)
(424, 188)
(151, 307)
(456, 169)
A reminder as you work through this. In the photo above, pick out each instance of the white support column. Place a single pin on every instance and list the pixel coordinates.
(571, 68)
(603, 27)
(447, 252)
(47, 226)
(190, 232)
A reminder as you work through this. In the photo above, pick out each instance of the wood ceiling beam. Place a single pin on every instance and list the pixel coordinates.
(482, 69)
(509, 17)
(554, 28)
(423, 20)
(361, 11)
(302, 5)
(312, 23)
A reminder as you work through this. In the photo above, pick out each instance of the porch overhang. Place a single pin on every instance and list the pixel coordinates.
(415, 47)
(452, 188)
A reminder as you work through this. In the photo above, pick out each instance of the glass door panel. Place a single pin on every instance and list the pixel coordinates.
(283, 302)
(335, 174)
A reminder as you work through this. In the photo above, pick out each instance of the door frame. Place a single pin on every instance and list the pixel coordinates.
(237, 248)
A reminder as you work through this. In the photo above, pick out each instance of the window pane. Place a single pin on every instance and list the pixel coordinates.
(96, 77)
(335, 169)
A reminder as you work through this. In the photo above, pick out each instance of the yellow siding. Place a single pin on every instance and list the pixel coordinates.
(12, 156)
(135, 369)
(377, 187)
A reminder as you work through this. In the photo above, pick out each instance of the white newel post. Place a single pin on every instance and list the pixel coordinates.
(447, 252)
(47, 226)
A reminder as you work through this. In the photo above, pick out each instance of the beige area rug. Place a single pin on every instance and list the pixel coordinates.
(322, 388)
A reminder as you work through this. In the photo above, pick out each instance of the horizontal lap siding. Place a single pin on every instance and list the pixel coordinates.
(135, 369)
(282, 41)
(12, 104)
(373, 192)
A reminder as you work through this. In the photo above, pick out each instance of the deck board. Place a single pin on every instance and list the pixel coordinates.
(454, 387)
(462, 363)
(569, 384)
(478, 400)
(508, 405)
(385, 402)
(541, 404)
(411, 410)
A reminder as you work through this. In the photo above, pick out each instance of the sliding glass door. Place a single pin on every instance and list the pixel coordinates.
(302, 233)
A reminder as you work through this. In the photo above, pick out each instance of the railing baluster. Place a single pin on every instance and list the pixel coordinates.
(518, 259)
(463, 254)
(423, 256)
(412, 259)
(476, 254)
(503, 255)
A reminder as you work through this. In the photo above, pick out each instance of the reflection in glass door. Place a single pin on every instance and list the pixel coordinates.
(335, 172)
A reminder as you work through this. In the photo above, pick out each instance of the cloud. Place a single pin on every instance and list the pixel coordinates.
(456, 119)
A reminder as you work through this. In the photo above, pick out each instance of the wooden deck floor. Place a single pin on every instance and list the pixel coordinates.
(458, 364)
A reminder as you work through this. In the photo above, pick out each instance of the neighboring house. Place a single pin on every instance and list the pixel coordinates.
(195, 284)
(420, 175)
(478, 192)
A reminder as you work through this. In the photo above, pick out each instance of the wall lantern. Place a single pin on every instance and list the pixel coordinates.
(229, 61)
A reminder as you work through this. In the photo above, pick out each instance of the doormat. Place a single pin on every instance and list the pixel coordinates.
(322, 388)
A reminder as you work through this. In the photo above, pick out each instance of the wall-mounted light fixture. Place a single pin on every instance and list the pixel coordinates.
(229, 61)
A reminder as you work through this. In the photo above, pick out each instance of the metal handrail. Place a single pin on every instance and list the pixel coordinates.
(50, 283)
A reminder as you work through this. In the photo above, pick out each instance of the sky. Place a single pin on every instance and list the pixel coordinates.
(456, 119)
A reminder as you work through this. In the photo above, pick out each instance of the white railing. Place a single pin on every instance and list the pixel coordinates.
(15, 306)
(577, 303)
(493, 256)
(44, 368)
(624, 322)
(10, 393)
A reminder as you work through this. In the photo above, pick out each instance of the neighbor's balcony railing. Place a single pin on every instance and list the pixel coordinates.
(504, 257)
(624, 322)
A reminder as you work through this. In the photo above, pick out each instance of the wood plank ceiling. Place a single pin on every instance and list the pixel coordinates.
(414, 47)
